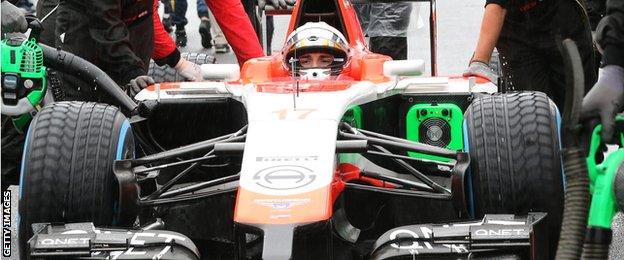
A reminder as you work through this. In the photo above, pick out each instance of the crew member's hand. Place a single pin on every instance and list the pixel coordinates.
(277, 4)
(13, 18)
(139, 83)
(605, 99)
(480, 69)
(189, 70)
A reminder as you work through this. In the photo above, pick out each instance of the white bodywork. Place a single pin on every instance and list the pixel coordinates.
(291, 137)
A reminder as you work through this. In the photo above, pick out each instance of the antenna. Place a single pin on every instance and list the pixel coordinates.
(292, 62)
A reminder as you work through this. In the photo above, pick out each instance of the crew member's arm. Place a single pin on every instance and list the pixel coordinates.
(606, 98)
(166, 52)
(610, 34)
(111, 35)
(493, 19)
(236, 28)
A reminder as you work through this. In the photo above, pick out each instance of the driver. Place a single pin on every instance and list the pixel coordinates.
(315, 51)
(316, 59)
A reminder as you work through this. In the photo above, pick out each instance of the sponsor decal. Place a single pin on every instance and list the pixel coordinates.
(129, 252)
(284, 177)
(415, 246)
(426, 232)
(6, 223)
(501, 232)
(64, 241)
(281, 204)
(167, 238)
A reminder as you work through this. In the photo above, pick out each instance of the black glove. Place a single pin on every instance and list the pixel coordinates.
(139, 83)
(605, 99)
(277, 4)
(13, 18)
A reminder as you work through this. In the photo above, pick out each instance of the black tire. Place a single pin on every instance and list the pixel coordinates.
(515, 157)
(67, 172)
(169, 74)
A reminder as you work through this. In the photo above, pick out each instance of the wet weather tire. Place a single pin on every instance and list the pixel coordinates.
(67, 167)
(169, 74)
(515, 156)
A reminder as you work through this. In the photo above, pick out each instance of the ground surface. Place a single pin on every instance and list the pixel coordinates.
(458, 25)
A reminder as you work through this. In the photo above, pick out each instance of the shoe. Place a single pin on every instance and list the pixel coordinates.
(167, 23)
(204, 32)
(181, 37)
(222, 48)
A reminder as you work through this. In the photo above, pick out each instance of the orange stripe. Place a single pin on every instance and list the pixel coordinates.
(478, 80)
(164, 86)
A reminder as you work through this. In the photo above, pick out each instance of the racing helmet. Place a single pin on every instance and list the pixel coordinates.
(315, 38)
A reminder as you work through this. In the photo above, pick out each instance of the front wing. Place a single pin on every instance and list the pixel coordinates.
(84, 241)
(494, 235)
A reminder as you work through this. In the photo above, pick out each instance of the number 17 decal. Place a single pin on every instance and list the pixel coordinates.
(300, 114)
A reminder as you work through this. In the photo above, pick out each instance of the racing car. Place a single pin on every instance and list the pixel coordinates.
(322, 151)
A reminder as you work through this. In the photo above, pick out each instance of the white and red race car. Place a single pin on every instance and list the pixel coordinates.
(276, 160)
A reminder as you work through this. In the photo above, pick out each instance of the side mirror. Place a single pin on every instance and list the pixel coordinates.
(228, 72)
(394, 68)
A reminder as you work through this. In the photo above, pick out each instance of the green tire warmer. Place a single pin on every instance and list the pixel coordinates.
(603, 187)
(23, 78)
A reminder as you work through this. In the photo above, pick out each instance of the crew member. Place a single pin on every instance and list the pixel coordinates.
(527, 34)
(606, 98)
(13, 20)
(386, 24)
(119, 37)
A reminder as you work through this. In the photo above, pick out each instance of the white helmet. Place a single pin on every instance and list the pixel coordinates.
(316, 37)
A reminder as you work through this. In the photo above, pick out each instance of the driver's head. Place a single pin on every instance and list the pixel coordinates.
(315, 46)
(316, 60)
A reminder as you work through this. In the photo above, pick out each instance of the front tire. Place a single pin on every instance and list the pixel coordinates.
(516, 164)
(67, 165)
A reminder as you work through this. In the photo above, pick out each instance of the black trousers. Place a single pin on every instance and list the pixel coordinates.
(532, 57)
(250, 6)
(12, 147)
(395, 47)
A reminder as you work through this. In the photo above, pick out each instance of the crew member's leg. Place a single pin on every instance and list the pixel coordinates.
(167, 19)
(526, 67)
(179, 20)
(388, 29)
(205, 24)
(395, 47)
(237, 28)
(221, 44)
